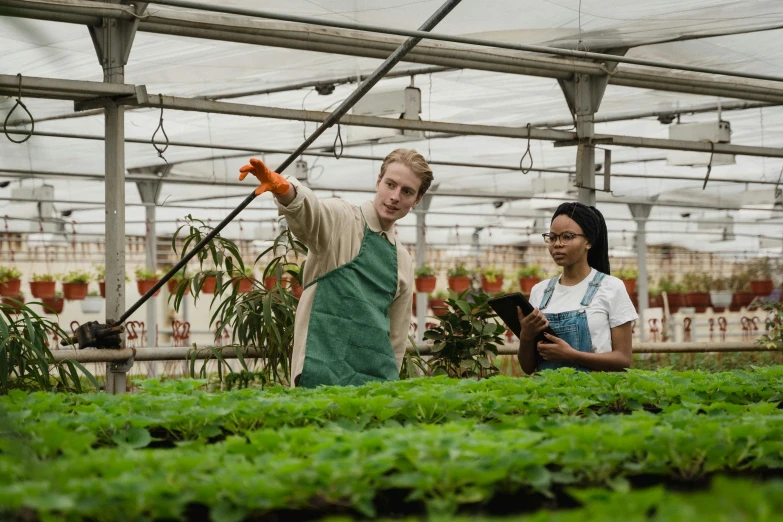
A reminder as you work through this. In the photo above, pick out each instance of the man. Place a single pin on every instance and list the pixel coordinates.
(353, 317)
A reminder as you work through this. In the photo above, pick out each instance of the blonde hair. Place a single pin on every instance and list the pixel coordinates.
(414, 161)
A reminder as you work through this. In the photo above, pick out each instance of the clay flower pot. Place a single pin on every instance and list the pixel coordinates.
(53, 306)
(699, 300)
(145, 285)
(42, 289)
(14, 304)
(210, 282)
(459, 284)
(173, 284)
(526, 284)
(630, 285)
(297, 290)
(426, 284)
(438, 306)
(102, 287)
(75, 291)
(10, 288)
(243, 284)
(270, 282)
(492, 287)
(676, 301)
(740, 299)
(762, 287)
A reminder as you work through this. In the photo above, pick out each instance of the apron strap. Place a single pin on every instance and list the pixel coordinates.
(592, 288)
(550, 289)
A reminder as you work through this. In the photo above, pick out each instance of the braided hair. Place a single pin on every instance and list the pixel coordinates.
(594, 226)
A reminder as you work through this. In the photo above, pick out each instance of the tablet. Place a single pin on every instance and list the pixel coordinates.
(506, 308)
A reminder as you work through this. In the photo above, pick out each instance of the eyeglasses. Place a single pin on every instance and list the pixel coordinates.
(565, 237)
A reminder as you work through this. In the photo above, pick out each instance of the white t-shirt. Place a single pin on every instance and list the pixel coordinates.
(611, 306)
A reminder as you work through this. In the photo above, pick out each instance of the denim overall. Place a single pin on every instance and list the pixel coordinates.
(570, 326)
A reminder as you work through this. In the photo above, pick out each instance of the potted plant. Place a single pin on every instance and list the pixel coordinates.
(740, 286)
(145, 280)
(720, 293)
(437, 302)
(760, 275)
(76, 284)
(10, 281)
(294, 278)
(14, 304)
(654, 299)
(697, 290)
(242, 279)
(491, 280)
(674, 292)
(180, 278)
(459, 277)
(42, 286)
(529, 276)
(54, 305)
(425, 279)
(92, 303)
(628, 277)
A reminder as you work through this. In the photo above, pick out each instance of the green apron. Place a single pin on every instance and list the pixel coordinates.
(348, 334)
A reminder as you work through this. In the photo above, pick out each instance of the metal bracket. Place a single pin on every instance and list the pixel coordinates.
(587, 142)
(113, 39)
(140, 97)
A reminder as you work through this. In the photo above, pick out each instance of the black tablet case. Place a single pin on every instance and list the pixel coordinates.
(506, 308)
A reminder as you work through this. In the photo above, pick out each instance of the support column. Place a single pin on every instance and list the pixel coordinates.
(149, 191)
(421, 259)
(640, 214)
(112, 41)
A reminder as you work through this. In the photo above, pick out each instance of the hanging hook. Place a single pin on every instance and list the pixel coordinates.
(709, 165)
(160, 128)
(338, 137)
(528, 154)
(19, 103)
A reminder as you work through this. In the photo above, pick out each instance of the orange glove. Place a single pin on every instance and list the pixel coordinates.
(270, 180)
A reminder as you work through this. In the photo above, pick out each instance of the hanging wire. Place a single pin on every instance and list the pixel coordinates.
(19, 103)
(526, 170)
(709, 165)
(338, 137)
(160, 128)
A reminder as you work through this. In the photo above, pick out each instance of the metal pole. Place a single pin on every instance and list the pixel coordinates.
(333, 118)
(640, 214)
(421, 259)
(149, 194)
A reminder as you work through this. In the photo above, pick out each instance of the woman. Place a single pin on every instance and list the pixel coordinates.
(588, 309)
(353, 318)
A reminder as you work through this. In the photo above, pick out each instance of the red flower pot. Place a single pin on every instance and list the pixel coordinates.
(699, 300)
(102, 287)
(459, 284)
(439, 306)
(676, 301)
(173, 286)
(426, 284)
(13, 307)
(10, 288)
(243, 284)
(740, 299)
(145, 285)
(53, 306)
(297, 290)
(492, 287)
(762, 287)
(526, 284)
(210, 282)
(270, 282)
(630, 285)
(75, 291)
(655, 301)
(42, 289)
(634, 299)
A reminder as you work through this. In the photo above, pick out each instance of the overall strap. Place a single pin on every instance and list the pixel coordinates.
(550, 289)
(592, 288)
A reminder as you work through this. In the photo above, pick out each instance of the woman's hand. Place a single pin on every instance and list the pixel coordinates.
(556, 349)
(532, 324)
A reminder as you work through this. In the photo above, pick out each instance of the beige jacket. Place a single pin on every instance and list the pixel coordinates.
(333, 231)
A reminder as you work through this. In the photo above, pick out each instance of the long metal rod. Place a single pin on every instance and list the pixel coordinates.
(330, 120)
(214, 28)
(583, 55)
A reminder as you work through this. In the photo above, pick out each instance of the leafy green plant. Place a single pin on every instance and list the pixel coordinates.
(77, 276)
(9, 273)
(261, 320)
(530, 270)
(93, 293)
(654, 290)
(100, 272)
(759, 269)
(626, 273)
(43, 277)
(458, 270)
(773, 339)
(423, 271)
(466, 338)
(25, 360)
(668, 284)
(694, 282)
(145, 274)
(740, 281)
(719, 284)
(491, 274)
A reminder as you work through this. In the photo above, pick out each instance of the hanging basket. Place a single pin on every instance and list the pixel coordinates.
(75, 291)
(762, 287)
(297, 290)
(14, 304)
(42, 289)
(439, 306)
(676, 301)
(270, 282)
(721, 299)
(426, 284)
(699, 300)
(243, 284)
(53, 306)
(492, 287)
(92, 304)
(145, 285)
(630, 285)
(459, 284)
(210, 282)
(102, 287)
(172, 285)
(526, 284)
(10, 288)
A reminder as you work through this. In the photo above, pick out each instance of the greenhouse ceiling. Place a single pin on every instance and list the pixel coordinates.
(477, 105)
